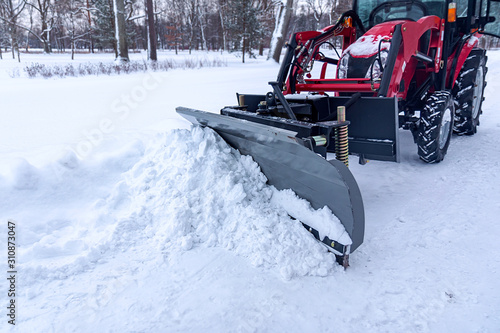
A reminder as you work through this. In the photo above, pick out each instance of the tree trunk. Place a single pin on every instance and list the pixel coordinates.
(192, 18)
(223, 27)
(202, 29)
(89, 18)
(12, 13)
(44, 35)
(151, 31)
(243, 46)
(120, 31)
(43, 8)
(113, 25)
(14, 44)
(262, 16)
(30, 9)
(282, 22)
(72, 35)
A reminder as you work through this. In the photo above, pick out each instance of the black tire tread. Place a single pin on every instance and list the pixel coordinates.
(430, 120)
(463, 92)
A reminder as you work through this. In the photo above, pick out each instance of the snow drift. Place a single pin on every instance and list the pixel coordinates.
(187, 189)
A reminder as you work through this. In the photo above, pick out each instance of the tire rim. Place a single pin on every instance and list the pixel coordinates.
(444, 131)
(478, 92)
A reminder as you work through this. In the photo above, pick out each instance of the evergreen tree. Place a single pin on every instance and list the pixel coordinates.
(243, 26)
(104, 25)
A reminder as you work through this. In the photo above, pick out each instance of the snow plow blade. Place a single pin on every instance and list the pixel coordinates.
(288, 162)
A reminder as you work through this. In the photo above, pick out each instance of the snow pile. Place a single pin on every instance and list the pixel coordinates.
(191, 189)
(188, 189)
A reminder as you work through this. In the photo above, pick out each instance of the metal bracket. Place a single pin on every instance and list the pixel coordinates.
(281, 97)
(341, 251)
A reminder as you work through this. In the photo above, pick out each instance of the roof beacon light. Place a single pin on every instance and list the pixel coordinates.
(452, 12)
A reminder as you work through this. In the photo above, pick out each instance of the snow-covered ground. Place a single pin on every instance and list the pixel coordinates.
(126, 220)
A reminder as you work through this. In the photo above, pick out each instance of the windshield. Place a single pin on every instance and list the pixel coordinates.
(372, 12)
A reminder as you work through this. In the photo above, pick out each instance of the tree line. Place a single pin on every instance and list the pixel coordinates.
(245, 26)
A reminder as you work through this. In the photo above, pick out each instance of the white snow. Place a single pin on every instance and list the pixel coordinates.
(321, 220)
(367, 46)
(472, 40)
(127, 220)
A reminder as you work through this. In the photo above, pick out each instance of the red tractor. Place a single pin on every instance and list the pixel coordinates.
(404, 64)
(410, 64)
(423, 54)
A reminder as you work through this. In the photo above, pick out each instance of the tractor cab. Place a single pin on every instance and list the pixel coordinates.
(373, 12)
(480, 13)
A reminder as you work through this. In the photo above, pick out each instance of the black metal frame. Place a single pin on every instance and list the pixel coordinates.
(373, 122)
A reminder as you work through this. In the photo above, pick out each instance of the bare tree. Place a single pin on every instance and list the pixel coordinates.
(192, 22)
(337, 8)
(9, 13)
(232, 25)
(318, 8)
(76, 14)
(30, 14)
(11, 16)
(120, 31)
(221, 7)
(202, 7)
(43, 8)
(196, 13)
(266, 19)
(89, 19)
(283, 15)
(174, 23)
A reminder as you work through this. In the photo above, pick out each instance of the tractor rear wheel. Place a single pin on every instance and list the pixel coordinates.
(468, 92)
(436, 127)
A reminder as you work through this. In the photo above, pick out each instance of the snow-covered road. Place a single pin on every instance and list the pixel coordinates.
(126, 225)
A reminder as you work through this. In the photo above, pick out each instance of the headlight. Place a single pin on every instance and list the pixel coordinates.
(342, 66)
(376, 73)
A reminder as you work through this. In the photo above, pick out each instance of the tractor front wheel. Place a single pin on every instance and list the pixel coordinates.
(436, 127)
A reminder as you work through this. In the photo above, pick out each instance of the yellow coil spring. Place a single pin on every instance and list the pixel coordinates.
(342, 145)
(341, 138)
